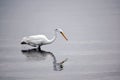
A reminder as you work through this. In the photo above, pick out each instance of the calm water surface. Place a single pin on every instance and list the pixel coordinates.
(99, 61)
(93, 49)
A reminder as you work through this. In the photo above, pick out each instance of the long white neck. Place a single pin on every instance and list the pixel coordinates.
(54, 38)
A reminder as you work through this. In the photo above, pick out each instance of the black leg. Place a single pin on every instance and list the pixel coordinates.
(39, 48)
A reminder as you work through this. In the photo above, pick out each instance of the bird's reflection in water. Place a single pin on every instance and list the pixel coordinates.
(35, 54)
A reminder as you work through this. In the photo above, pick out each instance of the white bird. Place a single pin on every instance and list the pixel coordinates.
(39, 40)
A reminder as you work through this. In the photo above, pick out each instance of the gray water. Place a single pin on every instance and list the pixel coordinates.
(91, 53)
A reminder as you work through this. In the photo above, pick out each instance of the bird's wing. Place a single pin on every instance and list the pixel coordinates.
(37, 39)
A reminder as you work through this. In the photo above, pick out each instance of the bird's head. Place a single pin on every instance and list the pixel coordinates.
(61, 32)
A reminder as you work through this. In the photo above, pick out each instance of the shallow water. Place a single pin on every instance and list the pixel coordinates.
(91, 53)
(89, 63)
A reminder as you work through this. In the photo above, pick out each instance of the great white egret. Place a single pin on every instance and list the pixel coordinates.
(39, 40)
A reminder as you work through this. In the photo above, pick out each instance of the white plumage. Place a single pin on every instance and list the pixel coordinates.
(39, 40)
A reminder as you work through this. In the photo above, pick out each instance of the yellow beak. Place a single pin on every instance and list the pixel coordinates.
(64, 36)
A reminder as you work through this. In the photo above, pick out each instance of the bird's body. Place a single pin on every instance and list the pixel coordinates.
(39, 40)
(36, 40)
